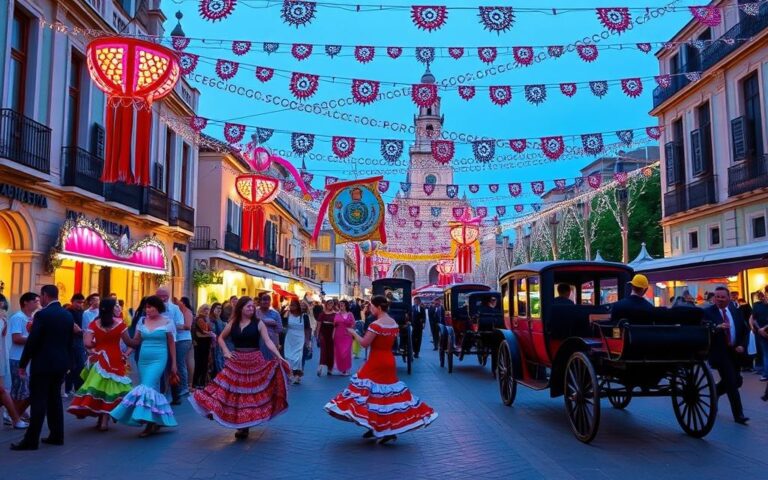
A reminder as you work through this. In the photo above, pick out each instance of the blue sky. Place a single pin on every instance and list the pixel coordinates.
(583, 113)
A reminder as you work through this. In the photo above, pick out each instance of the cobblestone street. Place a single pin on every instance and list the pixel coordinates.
(475, 436)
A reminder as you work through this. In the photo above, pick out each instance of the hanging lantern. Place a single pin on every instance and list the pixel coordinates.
(465, 232)
(133, 73)
(445, 272)
(368, 248)
(256, 191)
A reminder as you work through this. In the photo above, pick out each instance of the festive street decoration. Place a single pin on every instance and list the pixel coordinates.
(391, 150)
(332, 50)
(301, 51)
(552, 147)
(588, 53)
(240, 48)
(343, 146)
(466, 92)
(365, 91)
(264, 74)
(215, 10)
(523, 55)
(616, 20)
(394, 52)
(626, 136)
(302, 143)
(518, 145)
(484, 150)
(256, 190)
(234, 132)
(442, 151)
(515, 189)
(133, 73)
(260, 159)
(536, 94)
(303, 85)
(298, 13)
(444, 272)
(500, 95)
(425, 55)
(429, 18)
(364, 54)
(383, 186)
(599, 88)
(465, 232)
(424, 94)
(355, 211)
(487, 54)
(632, 87)
(568, 89)
(456, 52)
(593, 143)
(226, 69)
(707, 15)
(496, 19)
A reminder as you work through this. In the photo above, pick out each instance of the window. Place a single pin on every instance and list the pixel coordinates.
(674, 64)
(324, 271)
(430, 179)
(324, 242)
(534, 296)
(758, 227)
(73, 99)
(751, 93)
(18, 66)
(714, 236)
(185, 174)
(693, 240)
(521, 300)
(701, 141)
(234, 215)
(169, 141)
(674, 153)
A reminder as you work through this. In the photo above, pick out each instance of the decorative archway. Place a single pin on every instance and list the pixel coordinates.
(433, 275)
(177, 277)
(404, 271)
(17, 250)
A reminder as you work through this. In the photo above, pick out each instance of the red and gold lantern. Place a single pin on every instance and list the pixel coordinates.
(382, 266)
(445, 272)
(256, 191)
(133, 73)
(465, 233)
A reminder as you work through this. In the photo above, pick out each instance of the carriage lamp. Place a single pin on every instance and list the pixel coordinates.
(256, 191)
(133, 73)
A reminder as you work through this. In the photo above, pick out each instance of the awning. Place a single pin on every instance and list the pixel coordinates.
(284, 293)
(720, 263)
(85, 241)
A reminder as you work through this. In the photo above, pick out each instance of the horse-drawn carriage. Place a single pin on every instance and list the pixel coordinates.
(472, 313)
(573, 348)
(398, 292)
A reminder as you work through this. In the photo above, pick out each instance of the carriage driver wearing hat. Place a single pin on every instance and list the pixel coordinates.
(635, 305)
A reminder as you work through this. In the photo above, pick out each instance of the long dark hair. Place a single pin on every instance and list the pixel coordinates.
(107, 312)
(213, 308)
(237, 312)
(140, 312)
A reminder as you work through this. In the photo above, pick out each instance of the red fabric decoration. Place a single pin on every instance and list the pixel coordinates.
(264, 74)
(708, 15)
(456, 52)
(365, 91)
(394, 52)
(188, 63)
(301, 51)
(442, 150)
(215, 10)
(424, 94)
(303, 85)
(568, 89)
(233, 132)
(429, 18)
(343, 146)
(255, 190)
(241, 47)
(519, 208)
(466, 92)
(364, 54)
(523, 55)
(594, 180)
(588, 53)
(617, 20)
(552, 147)
(653, 132)
(555, 51)
(487, 54)
(198, 123)
(664, 81)
(500, 95)
(632, 87)
(515, 189)
(537, 187)
(179, 43)
(226, 69)
(518, 145)
(644, 47)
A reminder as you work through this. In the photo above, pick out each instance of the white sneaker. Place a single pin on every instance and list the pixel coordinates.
(21, 425)
(7, 420)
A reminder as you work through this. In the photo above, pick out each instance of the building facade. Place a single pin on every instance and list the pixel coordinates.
(52, 141)
(335, 266)
(714, 170)
(221, 268)
(435, 208)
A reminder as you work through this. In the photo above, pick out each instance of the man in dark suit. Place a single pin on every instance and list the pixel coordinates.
(436, 317)
(418, 318)
(48, 347)
(563, 295)
(729, 343)
(635, 305)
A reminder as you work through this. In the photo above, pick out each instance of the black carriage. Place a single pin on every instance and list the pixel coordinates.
(398, 292)
(472, 313)
(574, 349)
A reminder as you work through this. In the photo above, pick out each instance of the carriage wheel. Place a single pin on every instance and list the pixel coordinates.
(507, 383)
(619, 399)
(482, 355)
(694, 399)
(441, 349)
(582, 397)
(449, 352)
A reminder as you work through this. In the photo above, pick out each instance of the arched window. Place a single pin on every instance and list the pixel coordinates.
(430, 130)
(430, 179)
(429, 111)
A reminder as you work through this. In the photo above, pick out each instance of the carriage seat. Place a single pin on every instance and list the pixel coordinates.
(573, 320)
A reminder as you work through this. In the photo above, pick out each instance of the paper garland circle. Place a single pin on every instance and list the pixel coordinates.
(215, 10)
(297, 13)
(497, 19)
(429, 18)
(365, 91)
(241, 47)
(391, 150)
(303, 85)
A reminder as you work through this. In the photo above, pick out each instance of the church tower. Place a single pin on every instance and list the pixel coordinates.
(423, 168)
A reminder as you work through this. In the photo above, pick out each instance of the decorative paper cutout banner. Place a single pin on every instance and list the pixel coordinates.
(355, 211)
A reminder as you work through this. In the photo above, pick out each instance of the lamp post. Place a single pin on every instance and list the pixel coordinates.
(622, 202)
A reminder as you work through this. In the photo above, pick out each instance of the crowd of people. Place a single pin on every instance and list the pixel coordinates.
(231, 360)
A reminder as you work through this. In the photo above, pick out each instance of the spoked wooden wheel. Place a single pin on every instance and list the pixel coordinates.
(582, 397)
(619, 397)
(442, 343)
(507, 383)
(449, 350)
(694, 399)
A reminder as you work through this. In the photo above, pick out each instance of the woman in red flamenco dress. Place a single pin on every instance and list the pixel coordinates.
(249, 390)
(375, 398)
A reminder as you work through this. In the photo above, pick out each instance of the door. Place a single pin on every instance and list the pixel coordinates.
(520, 318)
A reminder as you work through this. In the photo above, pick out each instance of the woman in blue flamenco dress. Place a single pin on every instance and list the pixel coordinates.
(145, 405)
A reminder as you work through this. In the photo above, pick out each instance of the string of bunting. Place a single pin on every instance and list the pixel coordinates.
(442, 150)
(494, 19)
(304, 86)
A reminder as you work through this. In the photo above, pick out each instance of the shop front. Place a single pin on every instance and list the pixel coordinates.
(88, 258)
(742, 269)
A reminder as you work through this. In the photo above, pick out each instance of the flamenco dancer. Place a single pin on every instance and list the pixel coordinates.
(105, 379)
(249, 390)
(145, 405)
(375, 398)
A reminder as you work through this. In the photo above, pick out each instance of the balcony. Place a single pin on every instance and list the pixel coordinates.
(24, 141)
(82, 169)
(728, 43)
(180, 215)
(674, 202)
(128, 195)
(202, 239)
(702, 192)
(155, 203)
(748, 176)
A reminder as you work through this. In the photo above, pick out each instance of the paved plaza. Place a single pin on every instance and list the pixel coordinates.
(474, 437)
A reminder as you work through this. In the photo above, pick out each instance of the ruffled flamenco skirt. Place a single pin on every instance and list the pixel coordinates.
(386, 409)
(247, 392)
(100, 393)
(144, 405)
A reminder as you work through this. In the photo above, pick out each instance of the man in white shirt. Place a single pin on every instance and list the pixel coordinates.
(18, 328)
(183, 339)
(93, 310)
